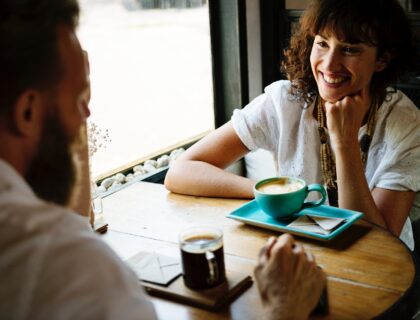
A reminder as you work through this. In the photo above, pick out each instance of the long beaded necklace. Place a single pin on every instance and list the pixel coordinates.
(327, 156)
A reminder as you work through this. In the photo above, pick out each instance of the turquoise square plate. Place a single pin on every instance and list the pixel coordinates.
(251, 213)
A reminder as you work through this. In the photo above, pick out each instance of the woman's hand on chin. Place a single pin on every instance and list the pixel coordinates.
(345, 117)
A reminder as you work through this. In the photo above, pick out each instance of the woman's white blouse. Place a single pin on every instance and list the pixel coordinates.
(277, 122)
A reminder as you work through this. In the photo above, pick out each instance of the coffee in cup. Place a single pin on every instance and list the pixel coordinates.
(202, 256)
(281, 197)
(280, 186)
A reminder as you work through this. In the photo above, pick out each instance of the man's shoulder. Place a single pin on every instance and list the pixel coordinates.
(50, 239)
(58, 264)
(41, 234)
(93, 272)
(39, 219)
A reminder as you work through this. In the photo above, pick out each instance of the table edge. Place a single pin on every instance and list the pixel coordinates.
(397, 305)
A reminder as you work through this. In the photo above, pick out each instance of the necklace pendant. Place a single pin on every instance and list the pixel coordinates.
(365, 143)
(332, 196)
(323, 135)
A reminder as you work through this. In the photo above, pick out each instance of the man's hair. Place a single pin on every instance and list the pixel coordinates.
(381, 23)
(29, 56)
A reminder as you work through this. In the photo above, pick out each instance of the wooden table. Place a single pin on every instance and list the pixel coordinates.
(368, 269)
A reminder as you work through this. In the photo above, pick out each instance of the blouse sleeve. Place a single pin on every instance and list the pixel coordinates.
(399, 168)
(257, 124)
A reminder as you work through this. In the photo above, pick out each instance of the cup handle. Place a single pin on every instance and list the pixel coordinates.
(318, 188)
(213, 268)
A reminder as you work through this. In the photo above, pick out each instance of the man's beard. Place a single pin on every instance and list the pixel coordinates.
(52, 173)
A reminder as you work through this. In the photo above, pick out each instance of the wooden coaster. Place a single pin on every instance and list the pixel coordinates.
(212, 299)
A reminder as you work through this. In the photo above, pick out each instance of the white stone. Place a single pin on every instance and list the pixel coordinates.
(129, 177)
(140, 169)
(115, 185)
(106, 183)
(152, 163)
(176, 153)
(163, 161)
(149, 168)
(120, 178)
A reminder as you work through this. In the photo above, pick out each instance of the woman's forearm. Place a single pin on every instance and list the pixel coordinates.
(353, 190)
(203, 179)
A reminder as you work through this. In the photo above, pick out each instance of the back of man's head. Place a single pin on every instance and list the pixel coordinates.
(29, 55)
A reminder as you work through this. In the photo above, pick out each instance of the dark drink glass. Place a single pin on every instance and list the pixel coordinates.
(203, 262)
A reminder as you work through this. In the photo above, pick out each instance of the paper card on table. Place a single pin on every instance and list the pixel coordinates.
(304, 223)
(327, 223)
(155, 268)
(316, 224)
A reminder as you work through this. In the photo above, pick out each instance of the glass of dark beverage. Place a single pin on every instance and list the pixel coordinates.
(203, 262)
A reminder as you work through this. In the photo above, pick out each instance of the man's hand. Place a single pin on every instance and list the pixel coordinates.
(81, 198)
(288, 279)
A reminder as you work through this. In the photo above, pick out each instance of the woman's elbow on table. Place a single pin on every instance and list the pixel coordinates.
(179, 178)
(172, 178)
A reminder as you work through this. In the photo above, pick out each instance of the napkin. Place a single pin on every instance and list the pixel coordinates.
(155, 268)
(316, 224)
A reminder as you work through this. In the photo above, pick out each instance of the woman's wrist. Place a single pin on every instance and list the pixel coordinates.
(347, 145)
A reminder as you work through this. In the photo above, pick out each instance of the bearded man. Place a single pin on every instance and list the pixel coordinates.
(47, 250)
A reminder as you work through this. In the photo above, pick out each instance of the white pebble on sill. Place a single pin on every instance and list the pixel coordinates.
(115, 185)
(163, 161)
(139, 169)
(149, 168)
(107, 182)
(119, 177)
(129, 177)
(152, 163)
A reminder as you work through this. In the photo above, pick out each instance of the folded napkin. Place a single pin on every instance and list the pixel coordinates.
(155, 268)
(317, 224)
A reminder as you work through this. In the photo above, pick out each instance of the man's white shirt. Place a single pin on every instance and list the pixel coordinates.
(52, 266)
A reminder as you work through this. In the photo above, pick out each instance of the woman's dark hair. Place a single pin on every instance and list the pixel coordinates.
(381, 23)
(29, 55)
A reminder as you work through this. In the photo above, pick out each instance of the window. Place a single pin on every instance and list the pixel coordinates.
(151, 76)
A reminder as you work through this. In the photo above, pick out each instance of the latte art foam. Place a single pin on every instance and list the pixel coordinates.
(280, 186)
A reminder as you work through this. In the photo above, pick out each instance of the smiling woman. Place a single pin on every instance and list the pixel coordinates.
(335, 121)
(342, 69)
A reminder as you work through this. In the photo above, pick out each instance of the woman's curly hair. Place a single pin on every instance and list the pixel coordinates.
(381, 23)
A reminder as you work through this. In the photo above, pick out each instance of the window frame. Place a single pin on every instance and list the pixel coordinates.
(230, 78)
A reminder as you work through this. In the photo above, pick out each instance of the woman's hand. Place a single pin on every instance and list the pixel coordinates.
(345, 117)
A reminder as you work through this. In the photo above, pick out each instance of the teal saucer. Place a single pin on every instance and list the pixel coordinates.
(250, 213)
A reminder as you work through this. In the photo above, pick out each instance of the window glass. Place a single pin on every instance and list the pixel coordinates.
(151, 76)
